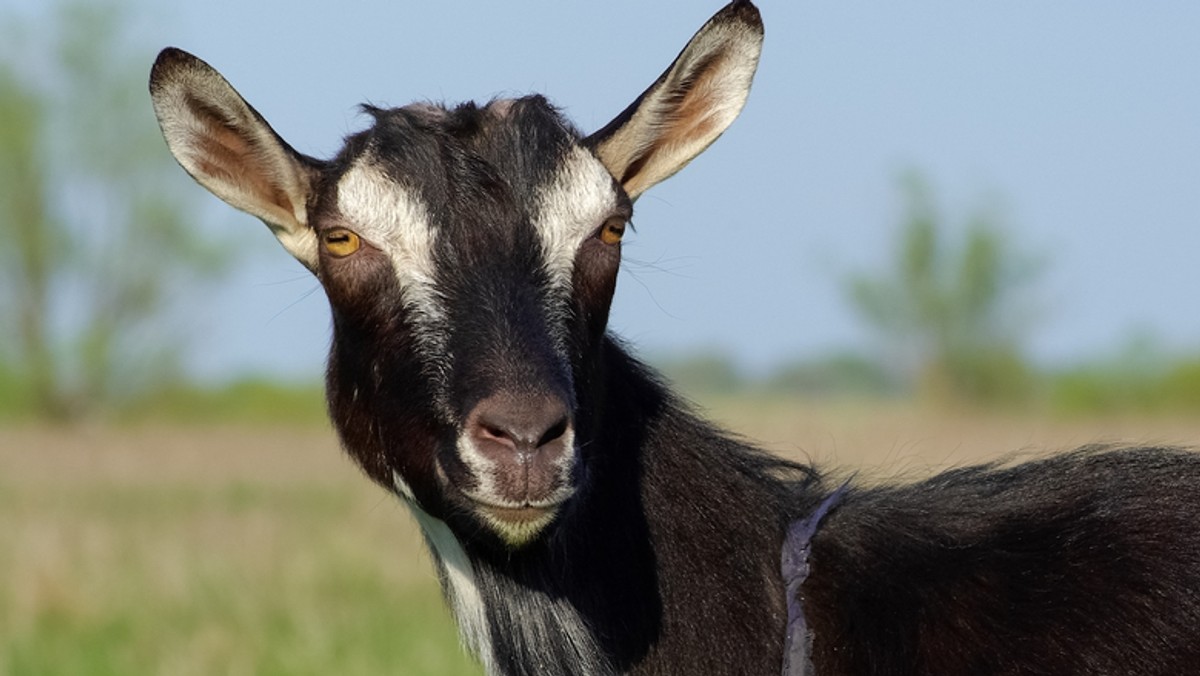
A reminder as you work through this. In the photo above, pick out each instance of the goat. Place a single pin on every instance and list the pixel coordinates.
(581, 518)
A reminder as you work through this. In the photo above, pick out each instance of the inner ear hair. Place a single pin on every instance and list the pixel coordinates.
(689, 106)
(230, 149)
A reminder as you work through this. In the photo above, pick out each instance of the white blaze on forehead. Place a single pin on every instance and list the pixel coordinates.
(392, 218)
(570, 208)
(395, 220)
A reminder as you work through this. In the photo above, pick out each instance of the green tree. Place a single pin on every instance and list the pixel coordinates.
(956, 313)
(30, 233)
(96, 239)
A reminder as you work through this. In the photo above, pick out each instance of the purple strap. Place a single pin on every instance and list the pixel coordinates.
(797, 647)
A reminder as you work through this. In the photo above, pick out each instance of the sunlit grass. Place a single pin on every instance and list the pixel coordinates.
(117, 558)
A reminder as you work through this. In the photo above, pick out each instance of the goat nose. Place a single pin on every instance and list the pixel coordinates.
(524, 425)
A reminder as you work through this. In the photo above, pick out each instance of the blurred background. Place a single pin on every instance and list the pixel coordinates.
(936, 235)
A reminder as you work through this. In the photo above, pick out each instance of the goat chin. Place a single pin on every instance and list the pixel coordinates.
(517, 527)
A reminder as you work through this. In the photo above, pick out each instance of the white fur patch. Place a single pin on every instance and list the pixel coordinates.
(537, 621)
(458, 579)
(540, 625)
(483, 469)
(570, 209)
(566, 212)
(393, 219)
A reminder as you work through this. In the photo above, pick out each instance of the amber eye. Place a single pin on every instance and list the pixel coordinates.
(612, 231)
(340, 242)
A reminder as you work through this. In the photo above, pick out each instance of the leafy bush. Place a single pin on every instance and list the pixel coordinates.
(839, 375)
(250, 400)
(708, 372)
(1169, 387)
(953, 312)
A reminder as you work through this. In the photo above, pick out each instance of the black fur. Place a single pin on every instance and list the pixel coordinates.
(1084, 563)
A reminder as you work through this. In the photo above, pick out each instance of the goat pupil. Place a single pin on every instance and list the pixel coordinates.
(340, 243)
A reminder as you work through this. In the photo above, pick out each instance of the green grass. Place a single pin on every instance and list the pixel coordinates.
(342, 620)
(250, 400)
(1167, 388)
(111, 564)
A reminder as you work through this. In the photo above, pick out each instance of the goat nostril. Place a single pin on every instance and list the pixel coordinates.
(520, 424)
(556, 431)
(494, 432)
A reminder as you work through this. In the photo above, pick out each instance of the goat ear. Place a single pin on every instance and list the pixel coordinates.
(689, 106)
(231, 150)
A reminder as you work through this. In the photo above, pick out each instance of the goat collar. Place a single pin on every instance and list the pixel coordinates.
(797, 647)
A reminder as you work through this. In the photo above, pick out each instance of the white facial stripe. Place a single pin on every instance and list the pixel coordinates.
(570, 209)
(458, 579)
(482, 469)
(393, 219)
(387, 215)
(566, 462)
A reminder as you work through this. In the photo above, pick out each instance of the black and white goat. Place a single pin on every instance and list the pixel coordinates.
(583, 521)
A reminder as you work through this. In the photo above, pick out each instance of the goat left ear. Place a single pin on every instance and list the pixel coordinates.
(689, 106)
(230, 149)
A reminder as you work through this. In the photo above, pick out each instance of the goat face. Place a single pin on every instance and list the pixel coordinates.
(470, 256)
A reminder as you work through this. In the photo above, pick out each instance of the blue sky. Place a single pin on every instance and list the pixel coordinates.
(1082, 119)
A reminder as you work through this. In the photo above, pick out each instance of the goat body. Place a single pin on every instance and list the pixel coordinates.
(582, 520)
(1082, 563)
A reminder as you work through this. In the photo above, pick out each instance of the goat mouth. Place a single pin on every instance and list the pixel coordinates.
(517, 524)
(529, 510)
(517, 514)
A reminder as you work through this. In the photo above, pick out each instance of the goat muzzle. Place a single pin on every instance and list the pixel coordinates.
(521, 449)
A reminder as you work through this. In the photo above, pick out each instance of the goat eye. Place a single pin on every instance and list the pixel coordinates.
(612, 231)
(341, 242)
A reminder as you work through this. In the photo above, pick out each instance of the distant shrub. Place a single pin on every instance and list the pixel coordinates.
(953, 305)
(1181, 385)
(839, 375)
(709, 372)
(1092, 390)
(16, 400)
(997, 376)
(1106, 388)
(249, 400)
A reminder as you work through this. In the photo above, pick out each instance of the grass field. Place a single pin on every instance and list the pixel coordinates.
(259, 550)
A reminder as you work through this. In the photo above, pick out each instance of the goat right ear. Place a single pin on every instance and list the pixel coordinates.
(231, 150)
(689, 106)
